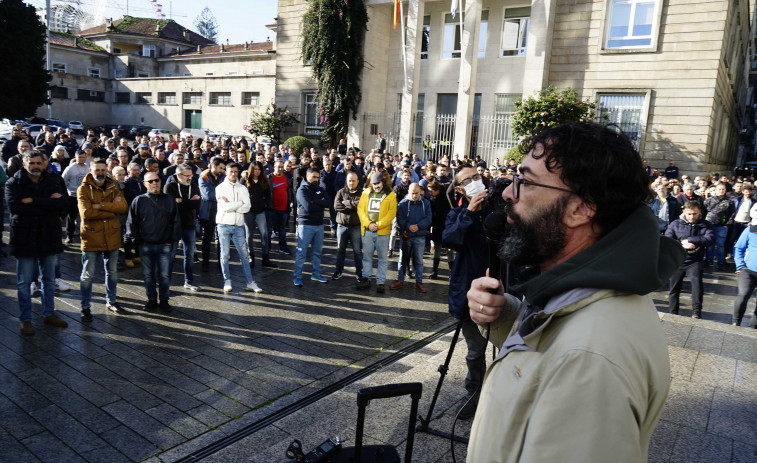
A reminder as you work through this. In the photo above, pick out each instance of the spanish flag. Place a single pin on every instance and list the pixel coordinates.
(396, 13)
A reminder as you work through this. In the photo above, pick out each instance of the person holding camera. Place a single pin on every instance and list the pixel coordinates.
(464, 233)
(582, 373)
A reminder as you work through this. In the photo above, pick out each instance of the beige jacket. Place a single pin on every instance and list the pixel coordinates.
(591, 390)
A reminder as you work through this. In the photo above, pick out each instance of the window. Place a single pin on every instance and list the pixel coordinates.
(192, 98)
(59, 92)
(312, 121)
(631, 23)
(143, 74)
(251, 98)
(451, 38)
(93, 72)
(208, 73)
(426, 36)
(123, 97)
(515, 31)
(418, 139)
(482, 31)
(143, 98)
(625, 111)
(90, 95)
(166, 98)
(504, 103)
(59, 67)
(220, 98)
(117, 50)
(149, 50)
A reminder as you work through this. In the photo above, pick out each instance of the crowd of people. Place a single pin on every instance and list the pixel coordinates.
(139, 203)
(713, 218)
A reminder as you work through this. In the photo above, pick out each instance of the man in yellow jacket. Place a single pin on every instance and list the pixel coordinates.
(100, 203)
(376, 209)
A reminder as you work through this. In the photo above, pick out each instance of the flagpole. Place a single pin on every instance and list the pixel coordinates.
(404, 47)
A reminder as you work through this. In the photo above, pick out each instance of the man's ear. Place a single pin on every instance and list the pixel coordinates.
(579, 212)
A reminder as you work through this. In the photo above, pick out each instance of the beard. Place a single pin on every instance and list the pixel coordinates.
(534, 241)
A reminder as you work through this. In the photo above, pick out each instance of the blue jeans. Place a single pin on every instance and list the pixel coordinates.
(88, 261)
(35, 270)
(351, 234)
(309, 235)
(189, 244)
(226, 235)
(371, 241)
(718, 247)
(415, 246)
(277, 220)
(250, 220)
(156, 258)
(24, 269)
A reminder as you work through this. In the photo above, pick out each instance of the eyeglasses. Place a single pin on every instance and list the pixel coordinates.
(468, 180)
(517, 182)
(155, 180)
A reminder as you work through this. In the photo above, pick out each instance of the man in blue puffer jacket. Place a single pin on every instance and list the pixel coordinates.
(695, 234)
(745, 256)
(413, 220)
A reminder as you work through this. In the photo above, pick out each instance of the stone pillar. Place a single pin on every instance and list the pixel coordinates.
(536, 74)
(466, 89)
(413, 38)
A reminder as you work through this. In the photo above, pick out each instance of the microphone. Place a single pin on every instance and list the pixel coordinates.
(494, 227)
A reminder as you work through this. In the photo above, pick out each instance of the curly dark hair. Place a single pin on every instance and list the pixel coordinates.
(599, 164)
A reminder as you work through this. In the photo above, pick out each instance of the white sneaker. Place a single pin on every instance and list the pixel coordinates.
(61, 285)
(191, 287)
(33, 289)
(254, 287)
(227, 286)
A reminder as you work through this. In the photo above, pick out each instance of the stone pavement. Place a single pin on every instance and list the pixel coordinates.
(710, 415)
(159, 388)
(144, 385)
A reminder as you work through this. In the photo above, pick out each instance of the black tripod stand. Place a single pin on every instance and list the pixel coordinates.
(425, 422)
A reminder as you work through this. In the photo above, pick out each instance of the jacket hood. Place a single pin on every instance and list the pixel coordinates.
(632, 258)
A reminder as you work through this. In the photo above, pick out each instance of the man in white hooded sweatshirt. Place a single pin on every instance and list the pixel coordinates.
(233, 201)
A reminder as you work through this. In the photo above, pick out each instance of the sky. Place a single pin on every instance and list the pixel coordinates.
(238, 22)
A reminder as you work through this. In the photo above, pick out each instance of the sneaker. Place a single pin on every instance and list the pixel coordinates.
(61, 285)
(468, 409)
(364, 283)
(420, 287)
(434, 276)
(151, 306)
(68, 240)
(86, 315)
(336, 275)
(390, 254)
(268, 264)
(129, 263)
(27, 329)
(191, 287)
(34, 290)
(227, 286)
(320, 279)
(396, 285)
(697, 314)
(380, 288)
(115, 308)
(298, 281)
(252, 286)
(55, 320)
(165, 307)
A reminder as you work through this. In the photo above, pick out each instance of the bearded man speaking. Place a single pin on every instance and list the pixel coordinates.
(583, 372)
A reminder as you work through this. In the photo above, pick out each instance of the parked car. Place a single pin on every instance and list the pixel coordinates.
(138, 131)
(197, 133)
(158, 133)
(58, 123)
(76, 126)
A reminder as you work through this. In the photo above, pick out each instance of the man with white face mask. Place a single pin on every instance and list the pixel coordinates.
(377, 209)
(464, 233)
(100, 203)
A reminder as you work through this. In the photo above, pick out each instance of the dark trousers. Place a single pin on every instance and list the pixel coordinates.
(747, 283)
(476, 357)
(71, 215)
(734, 231)
(277, 220)
(208, 235)
(693, 272)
